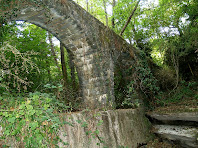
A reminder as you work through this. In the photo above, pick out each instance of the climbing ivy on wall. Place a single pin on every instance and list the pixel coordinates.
(135, 83)
(147, 83)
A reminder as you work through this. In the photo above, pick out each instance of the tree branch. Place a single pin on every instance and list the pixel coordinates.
(129, 19)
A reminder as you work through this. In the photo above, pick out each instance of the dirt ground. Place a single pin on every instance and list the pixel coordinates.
(185, 105)
(158, 143)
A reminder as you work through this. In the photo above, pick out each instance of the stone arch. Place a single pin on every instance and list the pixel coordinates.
(94, 46)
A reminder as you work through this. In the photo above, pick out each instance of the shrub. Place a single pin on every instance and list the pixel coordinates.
(31, 121)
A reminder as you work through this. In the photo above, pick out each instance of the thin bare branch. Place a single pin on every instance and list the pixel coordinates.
(129, 19)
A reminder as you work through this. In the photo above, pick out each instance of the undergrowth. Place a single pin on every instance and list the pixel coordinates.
(186, 93)
(36, 120)
(32, 120)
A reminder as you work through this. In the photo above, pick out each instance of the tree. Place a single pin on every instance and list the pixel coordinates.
(53, 53)
(177, 30)
(64, 70)
(105, 10)
(14, 63)
(72, 67)
(113, 19)
(31, 41)
(129, 19)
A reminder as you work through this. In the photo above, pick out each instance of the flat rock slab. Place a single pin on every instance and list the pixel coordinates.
(184, 135)
(187, 116)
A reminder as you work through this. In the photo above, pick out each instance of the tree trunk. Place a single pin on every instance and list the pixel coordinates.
(48, 70)
(53, 52)
(113, 19)
(71, 65)
(87, 2)
(129, 19)
(105, 9)
(64, 70)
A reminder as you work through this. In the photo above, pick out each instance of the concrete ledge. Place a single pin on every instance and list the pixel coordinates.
(113, 128)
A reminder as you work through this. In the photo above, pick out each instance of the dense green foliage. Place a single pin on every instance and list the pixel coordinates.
(26, 61)
(32, 121)
(26, 54)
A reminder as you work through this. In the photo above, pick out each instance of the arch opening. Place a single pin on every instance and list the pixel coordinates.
(52, 68)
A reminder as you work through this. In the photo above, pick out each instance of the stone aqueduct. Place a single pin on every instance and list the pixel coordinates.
(95, 47)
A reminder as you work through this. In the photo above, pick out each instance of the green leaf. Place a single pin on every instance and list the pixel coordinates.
(96, 132)
(54, 86)
(48, 100)
(68, 123)
(35, 97)
(60, 85)
(21, 112)
(29, 107)
(56, 125)
(7, 132)
(5, 114)
(32, 112)
(88, 132)
(49, 110)
(78, 121)
(47, 86)
(84, 124)
(38, 112)
(33, 125)
(65, 143)
(46, 106)
(22, 106)
(12, 119)
(39, 138)
(100, 123)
